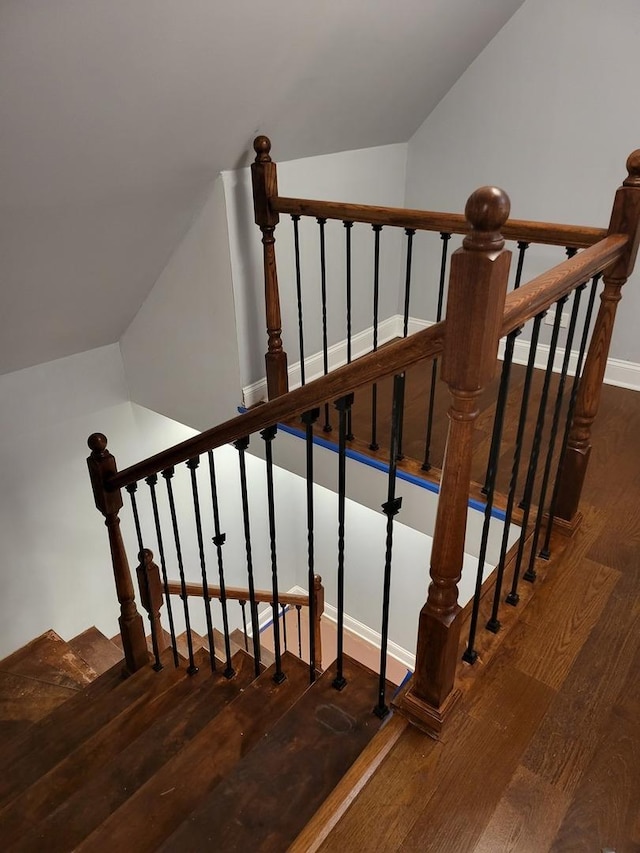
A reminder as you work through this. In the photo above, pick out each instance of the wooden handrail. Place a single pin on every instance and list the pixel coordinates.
(548, 233)
(396, 357)
(541, 292)
(238, 594)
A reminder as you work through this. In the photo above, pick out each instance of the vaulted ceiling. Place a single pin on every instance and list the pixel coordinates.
(116, 115)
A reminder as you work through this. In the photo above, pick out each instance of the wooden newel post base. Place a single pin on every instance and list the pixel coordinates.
(625, 219)
(102, 465)
(475, 307)
(264, 179)
(151, 598)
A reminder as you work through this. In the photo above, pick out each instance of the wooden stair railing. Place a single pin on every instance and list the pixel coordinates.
(478, 315)
(266, 597)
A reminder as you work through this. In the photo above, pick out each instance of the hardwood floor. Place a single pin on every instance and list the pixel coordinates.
(543, 752)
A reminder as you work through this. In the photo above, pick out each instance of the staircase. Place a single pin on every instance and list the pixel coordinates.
(92, 761)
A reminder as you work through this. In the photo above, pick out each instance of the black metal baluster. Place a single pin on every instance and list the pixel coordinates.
(342, 405)
(299, 615)
(410, 232)
(151, 483)
(535, 451)
(554, 426)
(390, 508)
(308, 419)
(376, 299)
(426, 465)
(168, 476)
(348, 226)
(132, 489)
(508, 353)
(545, 553)
(284, 625)
(243, 606)
(268, 435)
(193, 465)
(323, 283)
(219, 539)
(494, 624)
(296, 248)
(470, 654)
(241, 445)
(530, 574)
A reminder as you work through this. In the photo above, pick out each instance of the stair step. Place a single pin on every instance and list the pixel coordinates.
(160, 805)
(51, 789)
(105, 791)
(267, 657)
(58, 734)
(96, 650)
(269, 797)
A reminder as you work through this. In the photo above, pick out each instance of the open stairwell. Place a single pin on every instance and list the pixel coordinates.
(94, 761)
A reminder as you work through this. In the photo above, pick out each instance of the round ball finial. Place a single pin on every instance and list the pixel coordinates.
(486, 210)
(145, 556)
(97, 443)
(262, 147)
(633, 168)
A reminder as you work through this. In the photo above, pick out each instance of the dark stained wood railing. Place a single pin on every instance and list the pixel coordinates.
(478, 314)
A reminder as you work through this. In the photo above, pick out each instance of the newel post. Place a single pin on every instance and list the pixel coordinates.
(102, 466)
(264, 179)
(318, 610)
(475, 307)
(625, 219)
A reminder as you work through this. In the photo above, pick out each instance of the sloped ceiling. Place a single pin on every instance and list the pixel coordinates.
(116, 115)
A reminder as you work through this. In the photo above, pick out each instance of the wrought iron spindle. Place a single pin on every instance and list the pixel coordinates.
(391, 508)
(168, 477)
(410, 233)
(323, 290)
(376, 300)
(426, 464)
(299, 617)
(243, 607)
(470, 654)
(342, 405)
(494, 624)
(151, 483)
(348, 228)
(268, 435)
(545, 553)
(535, 451)
(219, 539)
(241, 445)
(132, 489)
(308, 419)
(554, 425)
(284, 625)
(508, 355)
(193, 465)
(296, 248)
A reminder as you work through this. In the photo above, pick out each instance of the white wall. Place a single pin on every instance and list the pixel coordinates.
(55, 557)
(369, 176)
(181, 350)
(548, 112)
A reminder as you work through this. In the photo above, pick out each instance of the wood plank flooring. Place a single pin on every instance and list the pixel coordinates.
(543, 752)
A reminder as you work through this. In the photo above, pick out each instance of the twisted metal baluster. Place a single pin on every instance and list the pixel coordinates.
(192, 465)
(219, 539)
(151, 483)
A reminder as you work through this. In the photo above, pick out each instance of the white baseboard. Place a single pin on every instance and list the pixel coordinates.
(624, 374)
(373, 638)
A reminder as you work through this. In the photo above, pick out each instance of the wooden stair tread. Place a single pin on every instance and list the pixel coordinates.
(24, 701)
(48, 658)
(267, 657)
(47, 743)
(96, 650)
(105, 791)
(71, 773)
(160, 805)
(270, 796)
